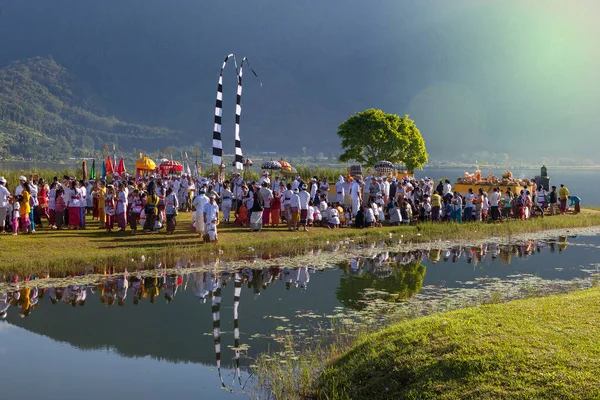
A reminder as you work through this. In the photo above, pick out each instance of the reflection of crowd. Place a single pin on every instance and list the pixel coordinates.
(147, 285)
(151, 284)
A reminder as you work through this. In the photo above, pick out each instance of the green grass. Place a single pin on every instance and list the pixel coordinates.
(72, 251)
(544, 348)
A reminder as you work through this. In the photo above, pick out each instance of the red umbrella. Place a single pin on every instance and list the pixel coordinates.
(169, 167)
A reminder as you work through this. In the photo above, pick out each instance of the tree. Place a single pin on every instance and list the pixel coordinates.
(372, 135)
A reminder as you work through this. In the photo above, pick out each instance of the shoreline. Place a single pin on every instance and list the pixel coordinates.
(338, 246)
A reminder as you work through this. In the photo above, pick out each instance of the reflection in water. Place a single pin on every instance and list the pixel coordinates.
(392, 276)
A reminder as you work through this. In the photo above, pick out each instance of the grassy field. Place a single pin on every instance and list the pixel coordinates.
(542, 348)
(58, 251)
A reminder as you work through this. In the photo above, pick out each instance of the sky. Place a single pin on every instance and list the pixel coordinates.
(514, 76)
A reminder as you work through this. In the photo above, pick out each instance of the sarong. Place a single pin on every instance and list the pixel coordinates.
(122, 220)
(74, 216)
(266, 214)
(303, 217)
(275, 216)
(256, 220)
(109, 222)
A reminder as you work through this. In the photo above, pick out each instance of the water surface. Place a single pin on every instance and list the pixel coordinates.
(153, 334)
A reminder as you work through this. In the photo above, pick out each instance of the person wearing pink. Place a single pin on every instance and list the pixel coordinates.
(109, 207)
(74, 205)
(59, 208)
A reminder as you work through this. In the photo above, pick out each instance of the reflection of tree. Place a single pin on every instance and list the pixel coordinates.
(404, 281)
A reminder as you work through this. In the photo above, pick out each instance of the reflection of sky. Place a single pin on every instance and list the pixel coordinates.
(38, 367)
(137, 345)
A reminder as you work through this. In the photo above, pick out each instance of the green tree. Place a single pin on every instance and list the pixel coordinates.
(372, 135)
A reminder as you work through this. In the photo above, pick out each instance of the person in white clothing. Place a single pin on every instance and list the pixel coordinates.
(211, 219)
(198, 204)
(339, 190)
(494, 199)
(304, 203)
(4, 197)
(355, 196)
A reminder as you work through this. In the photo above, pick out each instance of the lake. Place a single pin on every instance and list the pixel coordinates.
(183, 333)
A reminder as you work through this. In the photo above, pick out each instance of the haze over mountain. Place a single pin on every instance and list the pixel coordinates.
(508, 76)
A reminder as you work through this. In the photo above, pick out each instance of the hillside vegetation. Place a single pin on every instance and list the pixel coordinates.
(45, 111)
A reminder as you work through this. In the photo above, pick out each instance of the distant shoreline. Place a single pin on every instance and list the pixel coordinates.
(17, 164)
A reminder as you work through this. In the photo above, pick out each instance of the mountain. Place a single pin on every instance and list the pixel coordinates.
(46, 112)
(505, 76)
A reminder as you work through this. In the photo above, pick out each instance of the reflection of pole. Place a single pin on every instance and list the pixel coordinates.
(216, 314)
(236, 327)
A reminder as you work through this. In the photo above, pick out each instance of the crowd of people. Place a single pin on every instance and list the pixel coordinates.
(151, 203)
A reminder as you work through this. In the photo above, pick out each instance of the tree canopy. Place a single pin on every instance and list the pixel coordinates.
(372, 135)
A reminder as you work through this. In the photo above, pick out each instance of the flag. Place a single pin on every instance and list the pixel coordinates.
(121, 167)
(109, 166)
(187, 168)
(84, 170)
(104, 170)
(93, 170)
(196, 169)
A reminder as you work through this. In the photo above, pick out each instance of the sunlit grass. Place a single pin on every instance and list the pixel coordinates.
(536, 348)
(57, 251)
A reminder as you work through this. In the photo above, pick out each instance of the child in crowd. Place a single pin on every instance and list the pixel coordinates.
(137, 205)
(59, 208)
(109, 207)
(15, 214)
(25, 209)
(242, 216)
(211, 229)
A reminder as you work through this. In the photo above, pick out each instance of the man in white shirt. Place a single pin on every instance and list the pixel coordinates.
(447, 188)
(4, 196)
(294, 204)
(340, 190)
(275, 184)
(267, 196)
(19, 189)
(304, 202)
(296, 183)
(494, 199)
(264, 178)
(211, 210)
(355, 196)
(211, 219)
(285, 202)
(199, 202)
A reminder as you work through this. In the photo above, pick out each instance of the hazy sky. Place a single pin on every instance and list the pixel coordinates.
(512, 76)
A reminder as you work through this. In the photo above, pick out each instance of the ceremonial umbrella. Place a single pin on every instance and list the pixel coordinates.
(271, 165)
(144, 164)
(287, 169)
(169, 167)
(384, 167)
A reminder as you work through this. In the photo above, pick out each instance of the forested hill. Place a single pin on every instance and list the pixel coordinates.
(45, 112)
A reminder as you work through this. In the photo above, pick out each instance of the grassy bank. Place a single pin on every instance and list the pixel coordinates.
(67, 250)
(535, 348)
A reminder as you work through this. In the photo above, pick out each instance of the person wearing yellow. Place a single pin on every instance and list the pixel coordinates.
(563, 196)
(100, 192)
(151, 209)
(25, 207)
(436, 205)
